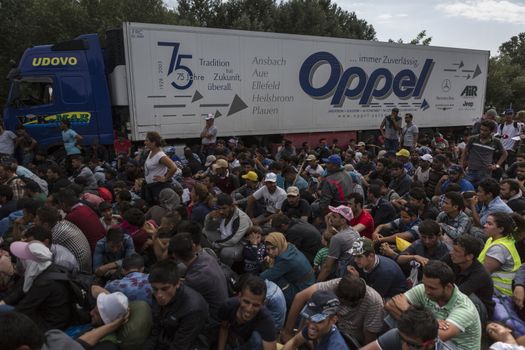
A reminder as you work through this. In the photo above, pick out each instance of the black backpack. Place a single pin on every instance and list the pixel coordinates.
(500, 127)
(79, 284)
(231, 276)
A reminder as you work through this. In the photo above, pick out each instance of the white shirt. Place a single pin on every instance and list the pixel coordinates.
(273, 201)
(211, 141)
(313, 171)
(507, 133)
(7, 142)
(153, 167)
(421, 175)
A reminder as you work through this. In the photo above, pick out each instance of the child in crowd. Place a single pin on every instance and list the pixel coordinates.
(254, 252)
(321, 255)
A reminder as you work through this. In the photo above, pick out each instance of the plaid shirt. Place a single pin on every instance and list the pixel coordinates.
(70, 236)
(454, 227)
(17, 185)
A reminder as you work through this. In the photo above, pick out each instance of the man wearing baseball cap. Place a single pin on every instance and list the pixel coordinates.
(510, 131)
(337, 184)
(455, 174)
(273, 196)
(294, 206)
(241, 194)
(381, 273)
(224, 179)
(313, 168)
(320, 332)
(404, 157)
(342, 237)
(422, 172)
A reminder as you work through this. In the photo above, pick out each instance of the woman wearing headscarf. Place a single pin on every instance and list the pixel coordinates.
(168, 201)
(46, 301)
(289, 268)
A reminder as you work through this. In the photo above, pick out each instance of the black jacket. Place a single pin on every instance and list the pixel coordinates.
(305, 237)
(49, 303)
(179, 325)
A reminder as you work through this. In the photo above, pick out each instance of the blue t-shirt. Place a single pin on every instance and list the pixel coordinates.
(386, 277)
(331, 341)
(464, 185)
(70, 139)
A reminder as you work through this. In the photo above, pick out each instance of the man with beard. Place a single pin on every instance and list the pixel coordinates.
(479, 157)
(225, 227)
(511, 193)
(273, 197)
(224, 180)
(245, 321)
(457, 316)
(520, 175)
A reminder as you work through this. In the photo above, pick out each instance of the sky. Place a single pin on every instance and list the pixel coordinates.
(472, 24)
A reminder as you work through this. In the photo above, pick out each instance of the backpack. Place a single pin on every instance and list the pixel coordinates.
(231, 276)
(79, 284)
(500, 127)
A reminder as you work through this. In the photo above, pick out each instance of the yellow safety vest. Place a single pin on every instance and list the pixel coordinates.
(503, 279)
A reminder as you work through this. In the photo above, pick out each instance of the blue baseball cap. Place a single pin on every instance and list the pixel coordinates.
(509, 111)
(333, 159)
(322, 305)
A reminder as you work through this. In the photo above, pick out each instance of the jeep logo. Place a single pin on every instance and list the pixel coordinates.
(468, 104)
(470, 91)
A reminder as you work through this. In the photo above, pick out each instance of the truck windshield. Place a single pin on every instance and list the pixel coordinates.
(32, 92)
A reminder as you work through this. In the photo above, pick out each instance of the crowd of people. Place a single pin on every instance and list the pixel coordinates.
(413, 241)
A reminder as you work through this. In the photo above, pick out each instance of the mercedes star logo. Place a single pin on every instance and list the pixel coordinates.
(445, 85)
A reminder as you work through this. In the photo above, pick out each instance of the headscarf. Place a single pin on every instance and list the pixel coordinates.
(277, 240)
(35, 259)
(169, 199)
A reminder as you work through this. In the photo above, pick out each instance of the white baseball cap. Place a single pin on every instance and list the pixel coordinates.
(112, 306)
(270, 177)
(427, 158)
(209, 116)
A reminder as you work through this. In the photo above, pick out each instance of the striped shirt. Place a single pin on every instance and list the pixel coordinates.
(481, 155)
(459, 311)
(71, 237)
(366, 316)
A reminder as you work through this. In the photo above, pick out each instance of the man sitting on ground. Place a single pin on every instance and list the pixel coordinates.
(179, 312)
(320, 332)
(245, 322)
(457, 316)
(360, 314)
(379, 272)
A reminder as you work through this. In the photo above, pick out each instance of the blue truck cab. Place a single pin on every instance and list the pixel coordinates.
(65, 81)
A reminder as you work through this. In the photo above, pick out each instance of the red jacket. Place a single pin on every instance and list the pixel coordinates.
(87, 221)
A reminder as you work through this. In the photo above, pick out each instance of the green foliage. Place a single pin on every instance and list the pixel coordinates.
(514, 49)
(33, 22)
(506, 79)
(420, 39)
(322, 18)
